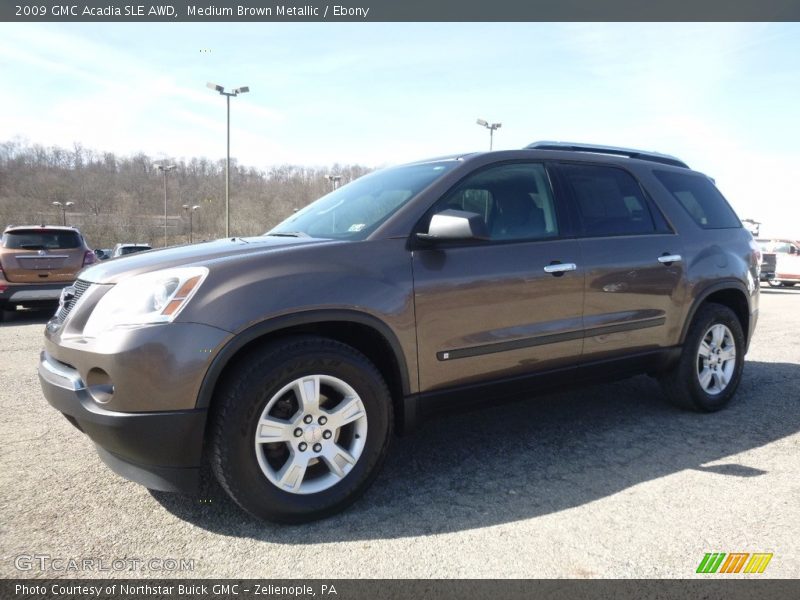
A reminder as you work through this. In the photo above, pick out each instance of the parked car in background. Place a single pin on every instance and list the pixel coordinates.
(37, 262)
(780, 262)
(125, 249)
(103, 253)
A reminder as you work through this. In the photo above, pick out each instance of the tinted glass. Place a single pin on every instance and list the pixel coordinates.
(132, 249)
(514, 200)
(356, 209)
(37, 239)
(609, 201)
(701, 199)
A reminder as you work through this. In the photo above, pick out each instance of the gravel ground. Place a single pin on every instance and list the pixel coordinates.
(607, 481)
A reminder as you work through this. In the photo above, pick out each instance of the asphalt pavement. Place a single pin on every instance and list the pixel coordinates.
(605, 481)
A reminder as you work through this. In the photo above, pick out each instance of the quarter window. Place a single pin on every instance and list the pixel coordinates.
(609, 201)
(701, 199)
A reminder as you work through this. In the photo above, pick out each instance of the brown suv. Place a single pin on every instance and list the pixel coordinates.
(38, 262)
(286, 361)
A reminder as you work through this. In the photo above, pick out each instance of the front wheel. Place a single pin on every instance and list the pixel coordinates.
(300, 429)
(710, 367)
(774, 282)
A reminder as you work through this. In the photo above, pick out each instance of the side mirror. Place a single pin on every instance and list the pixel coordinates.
(455, 225)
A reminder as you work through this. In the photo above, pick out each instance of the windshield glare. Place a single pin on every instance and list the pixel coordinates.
(355, 210)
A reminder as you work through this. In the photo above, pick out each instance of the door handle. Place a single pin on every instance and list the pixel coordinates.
(560, 268)
(669, 258)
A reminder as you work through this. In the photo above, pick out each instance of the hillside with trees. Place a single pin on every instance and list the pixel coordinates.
(121, 198)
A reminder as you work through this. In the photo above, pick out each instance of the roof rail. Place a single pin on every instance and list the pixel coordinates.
(665, 159)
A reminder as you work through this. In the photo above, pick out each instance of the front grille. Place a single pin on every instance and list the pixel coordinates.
(63, 310)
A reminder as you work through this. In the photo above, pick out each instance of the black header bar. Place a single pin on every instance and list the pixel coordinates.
(398, 10)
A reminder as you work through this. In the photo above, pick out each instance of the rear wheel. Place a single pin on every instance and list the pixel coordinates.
(300, 430)
(708, 372)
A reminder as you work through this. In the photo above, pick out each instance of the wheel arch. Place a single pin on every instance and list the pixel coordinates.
(731, 293)
(364, 332)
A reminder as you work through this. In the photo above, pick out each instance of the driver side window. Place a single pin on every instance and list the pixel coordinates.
(514, 200)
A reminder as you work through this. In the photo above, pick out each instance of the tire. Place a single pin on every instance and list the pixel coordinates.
(788, 284)
(291, 473)
(774, 282)
(682, 384)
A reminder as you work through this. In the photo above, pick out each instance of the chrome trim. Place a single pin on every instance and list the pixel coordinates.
(59, 374)
(670, 258)
(39, 256)
(560, 268)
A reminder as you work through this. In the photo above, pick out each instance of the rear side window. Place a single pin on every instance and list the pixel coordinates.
(38, 239)
(609, 201)
(700, 198)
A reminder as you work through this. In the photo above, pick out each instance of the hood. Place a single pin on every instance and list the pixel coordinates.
(202, 254)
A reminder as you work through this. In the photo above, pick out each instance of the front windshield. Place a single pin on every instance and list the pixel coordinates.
(355, 210)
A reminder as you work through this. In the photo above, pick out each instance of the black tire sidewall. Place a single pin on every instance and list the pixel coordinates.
(709, 316)
(243, 476)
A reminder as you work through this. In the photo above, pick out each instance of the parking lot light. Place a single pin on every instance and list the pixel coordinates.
(165, 169)
(235, 92)
(190, 210)
(63, 206)
(491, 127)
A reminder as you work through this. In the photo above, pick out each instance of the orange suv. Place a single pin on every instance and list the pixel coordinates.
(38, 262)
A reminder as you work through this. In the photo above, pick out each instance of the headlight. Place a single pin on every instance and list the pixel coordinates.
(146, 299)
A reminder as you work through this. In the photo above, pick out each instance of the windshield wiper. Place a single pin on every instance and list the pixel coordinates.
(297, 234)
(33, 246)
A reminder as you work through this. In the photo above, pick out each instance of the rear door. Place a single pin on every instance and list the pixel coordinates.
(634, 269)
(40, 255)
(507, 306)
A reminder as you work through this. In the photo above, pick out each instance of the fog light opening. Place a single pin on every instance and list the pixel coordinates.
(99, 385)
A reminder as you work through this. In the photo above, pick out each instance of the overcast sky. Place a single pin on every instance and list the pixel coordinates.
(723, 97)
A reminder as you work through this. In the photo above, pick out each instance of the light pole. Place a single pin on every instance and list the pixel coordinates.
(491, 127)
(165, 169)
(335, 180)
(63, 206)
(240, 90)
(190, 210)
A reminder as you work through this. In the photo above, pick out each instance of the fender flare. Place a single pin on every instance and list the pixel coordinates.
(726, 284)
(311, 317)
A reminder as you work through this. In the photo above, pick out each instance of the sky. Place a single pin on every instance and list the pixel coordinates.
(725, 98)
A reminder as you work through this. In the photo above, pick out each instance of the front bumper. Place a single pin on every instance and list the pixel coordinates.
(160, 450)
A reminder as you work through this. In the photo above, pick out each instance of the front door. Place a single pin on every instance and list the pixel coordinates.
(504, 307)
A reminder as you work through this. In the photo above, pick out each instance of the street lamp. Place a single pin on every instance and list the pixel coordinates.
(491, 127)
(335, 180)
(240, 90)
(63, 206)
(165, 169)
(190, 210)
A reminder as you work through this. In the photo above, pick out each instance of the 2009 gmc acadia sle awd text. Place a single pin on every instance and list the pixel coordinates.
(284, 363)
